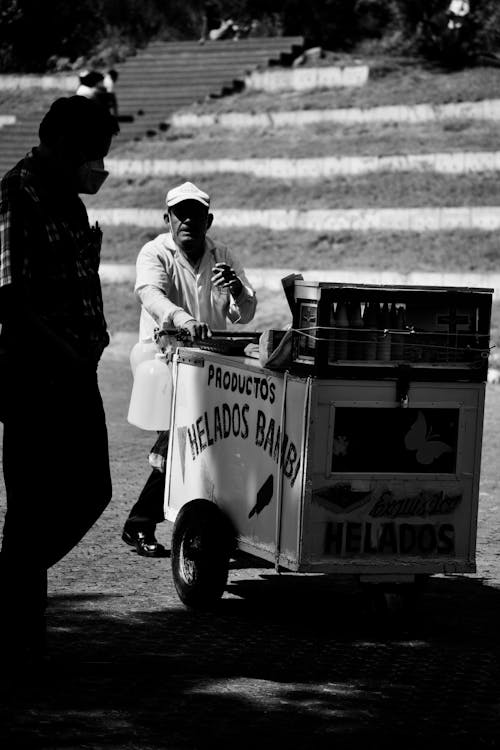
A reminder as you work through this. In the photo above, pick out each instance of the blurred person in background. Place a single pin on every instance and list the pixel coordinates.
(91, 86)
(210, 19)
(457, 11)
(109, 81)
(100, 88)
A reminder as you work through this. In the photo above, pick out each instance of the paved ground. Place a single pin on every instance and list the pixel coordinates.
(285, 661)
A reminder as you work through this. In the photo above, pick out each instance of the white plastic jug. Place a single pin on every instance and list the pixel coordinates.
(151, 399)
(142, 351)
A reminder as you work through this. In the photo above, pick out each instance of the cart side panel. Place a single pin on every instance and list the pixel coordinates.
(228, 446)
(393, 488)
(293, 469)
(478, 422)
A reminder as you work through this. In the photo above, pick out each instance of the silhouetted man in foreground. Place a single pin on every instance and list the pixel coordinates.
(55, 450)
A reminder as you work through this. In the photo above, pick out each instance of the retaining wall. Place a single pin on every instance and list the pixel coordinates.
(314, 168)
(488, 109)
(61, 82)
(357, 220)
(306, 79)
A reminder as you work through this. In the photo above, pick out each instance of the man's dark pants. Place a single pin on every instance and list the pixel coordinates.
(57, 478)
(148, 510)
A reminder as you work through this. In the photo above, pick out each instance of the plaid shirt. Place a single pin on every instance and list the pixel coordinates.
(51, 255)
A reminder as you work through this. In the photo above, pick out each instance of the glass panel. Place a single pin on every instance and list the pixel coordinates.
(308, 317)
(393, 440)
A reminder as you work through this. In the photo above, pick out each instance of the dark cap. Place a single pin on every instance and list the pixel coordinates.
(90, 78)
(85, 126)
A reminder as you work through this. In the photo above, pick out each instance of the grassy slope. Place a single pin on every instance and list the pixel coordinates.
(372, 190)
(321, 139)
(23, 103)
(451, 251)
(390, 83)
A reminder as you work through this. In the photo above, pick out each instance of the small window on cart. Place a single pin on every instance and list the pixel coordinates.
(395, 441)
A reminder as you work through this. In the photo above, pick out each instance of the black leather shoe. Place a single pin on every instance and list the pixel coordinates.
(145, 542)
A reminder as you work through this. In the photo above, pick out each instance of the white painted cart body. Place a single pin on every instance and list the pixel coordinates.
(329, 475)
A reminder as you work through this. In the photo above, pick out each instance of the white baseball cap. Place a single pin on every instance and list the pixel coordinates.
(187, 192)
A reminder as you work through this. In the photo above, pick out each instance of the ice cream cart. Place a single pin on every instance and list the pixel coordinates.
(360, 455)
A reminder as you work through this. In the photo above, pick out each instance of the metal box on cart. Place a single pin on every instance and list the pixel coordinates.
(362, 456)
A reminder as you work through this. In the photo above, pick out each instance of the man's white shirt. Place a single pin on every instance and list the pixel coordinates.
(172, 291)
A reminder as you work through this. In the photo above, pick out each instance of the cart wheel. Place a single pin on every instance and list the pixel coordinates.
(201, 548)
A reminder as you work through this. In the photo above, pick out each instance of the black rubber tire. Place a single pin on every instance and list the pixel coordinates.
(201, 549)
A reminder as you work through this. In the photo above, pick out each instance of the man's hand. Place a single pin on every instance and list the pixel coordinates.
(197, 329)
(224, 277)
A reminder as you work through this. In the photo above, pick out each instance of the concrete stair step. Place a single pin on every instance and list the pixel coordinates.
(224, 44)
(174, 62)
(178, 59)
(164, 88)
(180, 79)
(168, 76)
(162, 78)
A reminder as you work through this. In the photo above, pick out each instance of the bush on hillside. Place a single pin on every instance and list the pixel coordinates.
(31, 32)
(36, 35)
(145, 19)
(329, 23)
(423, 25)
(427, 23)
(374, 18)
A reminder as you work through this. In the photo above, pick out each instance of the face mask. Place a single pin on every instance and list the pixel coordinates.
(90, 178)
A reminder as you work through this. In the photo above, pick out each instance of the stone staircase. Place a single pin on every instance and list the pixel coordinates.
(163, 78)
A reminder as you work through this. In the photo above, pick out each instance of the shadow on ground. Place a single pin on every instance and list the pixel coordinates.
(293, 661)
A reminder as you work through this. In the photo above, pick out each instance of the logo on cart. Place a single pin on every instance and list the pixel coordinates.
(422, 505)
(421, 439)
(345, 539)
(230, 421)
(264, 497)
(341, 498)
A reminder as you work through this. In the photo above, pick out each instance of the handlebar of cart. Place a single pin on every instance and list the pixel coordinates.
(220, 341)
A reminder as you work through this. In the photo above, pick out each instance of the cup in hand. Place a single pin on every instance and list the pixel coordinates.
(222, 275)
